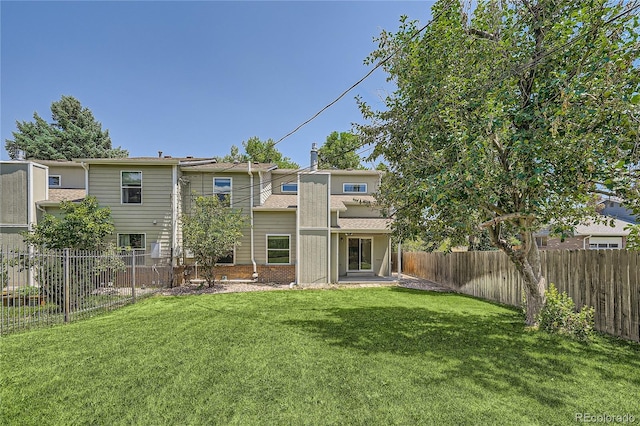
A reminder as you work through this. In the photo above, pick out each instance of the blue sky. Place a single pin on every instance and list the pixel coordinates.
(194, 78)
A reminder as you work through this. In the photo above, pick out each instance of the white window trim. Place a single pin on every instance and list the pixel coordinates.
(372, 251)
(122, 187)
(266, 241)
(230, 187)
(366, 188)
(288, 192)
(144, 234)
(59, 181)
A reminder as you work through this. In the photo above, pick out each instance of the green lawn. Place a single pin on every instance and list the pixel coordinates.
(372, 356)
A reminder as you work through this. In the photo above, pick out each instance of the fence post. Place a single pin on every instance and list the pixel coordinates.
(65, 286)
(133, 276)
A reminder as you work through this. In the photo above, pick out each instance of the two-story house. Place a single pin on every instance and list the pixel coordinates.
(305, 226)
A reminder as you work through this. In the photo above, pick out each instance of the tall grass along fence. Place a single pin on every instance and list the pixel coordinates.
(45, 287)
(608, 280)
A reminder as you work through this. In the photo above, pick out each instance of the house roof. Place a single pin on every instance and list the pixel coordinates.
(355, 224)
(290, 201)
(166, 160)
(332, 171)
(56, 195)
(604, 229)
(227, 167)
(65, 163)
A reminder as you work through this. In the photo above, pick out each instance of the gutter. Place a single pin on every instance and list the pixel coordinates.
(584, 241)
(253, 257)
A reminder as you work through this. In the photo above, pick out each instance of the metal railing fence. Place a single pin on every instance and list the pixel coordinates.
(44, 287)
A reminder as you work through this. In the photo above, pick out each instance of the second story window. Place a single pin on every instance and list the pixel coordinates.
(290, 187)
(354, 188)
(222, 189)
(54, 181)
(131, 187)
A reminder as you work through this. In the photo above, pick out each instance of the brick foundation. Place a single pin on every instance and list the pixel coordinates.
(279, 274)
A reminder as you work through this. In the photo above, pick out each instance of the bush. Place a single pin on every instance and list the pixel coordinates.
(559, 316)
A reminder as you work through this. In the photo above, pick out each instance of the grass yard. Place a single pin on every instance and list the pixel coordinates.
(369, 356)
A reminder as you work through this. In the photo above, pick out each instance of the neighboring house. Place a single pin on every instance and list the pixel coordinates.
(589, 236)
(614, 207)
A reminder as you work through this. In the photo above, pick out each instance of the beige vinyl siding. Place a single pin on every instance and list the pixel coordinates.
(104, 183)
(280, 179)
(360, 211)
(313, 200)
(70, 177)
(202, 184)
(314, 251)
(268, 223)
(338, 180)
(381, 255)
(14, 193)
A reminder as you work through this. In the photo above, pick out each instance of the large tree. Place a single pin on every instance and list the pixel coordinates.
(73, 133)
(260, 151)
(507, 120)
(210, 232)
(339, 152)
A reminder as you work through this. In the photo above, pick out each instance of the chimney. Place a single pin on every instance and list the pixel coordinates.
(159, 154)
(314, 157)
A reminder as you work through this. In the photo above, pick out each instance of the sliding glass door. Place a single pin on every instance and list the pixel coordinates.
(360, 254)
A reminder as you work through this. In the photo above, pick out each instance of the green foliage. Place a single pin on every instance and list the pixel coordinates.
(339, 152)
(633, 240)
(84, 226)
(508, 119)
(260, 151)
(211, 231)
(559, 316)
(74, 133)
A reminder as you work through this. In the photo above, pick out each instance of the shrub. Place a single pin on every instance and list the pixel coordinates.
(559, 315)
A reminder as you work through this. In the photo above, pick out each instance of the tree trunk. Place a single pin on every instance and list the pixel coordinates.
(535, 283)
(527, 262)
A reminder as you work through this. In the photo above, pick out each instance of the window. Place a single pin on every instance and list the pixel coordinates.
(54, 181)
(134, 241)
(131, 187)
(278, 249)
(542, 241)
(354, 187)
(222, 189)
(227, 260)
(289, 187)
(596, 243)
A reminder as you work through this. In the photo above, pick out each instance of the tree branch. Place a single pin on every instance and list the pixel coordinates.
(505, 218)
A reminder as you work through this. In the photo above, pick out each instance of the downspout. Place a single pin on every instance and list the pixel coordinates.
(253, 257)
(86, 176)
(399, 262)
(584, 242)
(174, 214)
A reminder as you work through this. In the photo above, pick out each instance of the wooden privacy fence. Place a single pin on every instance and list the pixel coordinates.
(608, 280)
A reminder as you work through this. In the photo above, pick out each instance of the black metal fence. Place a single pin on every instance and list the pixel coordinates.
(46, 287)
